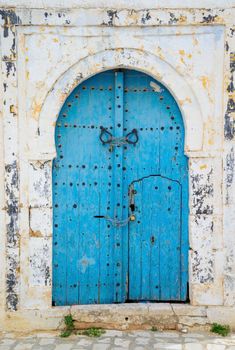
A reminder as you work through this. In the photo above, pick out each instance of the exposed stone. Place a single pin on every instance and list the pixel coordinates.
(192, 321)
(188, 310)
(192, 346)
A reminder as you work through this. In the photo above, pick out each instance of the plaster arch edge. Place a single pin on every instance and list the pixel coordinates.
(119, 58)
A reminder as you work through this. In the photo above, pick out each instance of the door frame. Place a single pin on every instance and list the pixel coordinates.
(42, 152)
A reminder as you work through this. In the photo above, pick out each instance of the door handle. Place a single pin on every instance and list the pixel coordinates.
(107, 138)
(130, 134)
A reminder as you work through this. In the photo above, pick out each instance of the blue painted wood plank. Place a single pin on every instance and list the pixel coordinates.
(135, 256)
(118, 189)
(155, 213)
(107, 239)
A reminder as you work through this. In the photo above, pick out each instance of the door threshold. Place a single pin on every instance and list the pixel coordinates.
(128, 316)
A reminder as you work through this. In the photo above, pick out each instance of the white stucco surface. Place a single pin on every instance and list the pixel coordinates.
(47, 48)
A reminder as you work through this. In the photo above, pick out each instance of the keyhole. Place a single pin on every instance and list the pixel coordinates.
(152, 239)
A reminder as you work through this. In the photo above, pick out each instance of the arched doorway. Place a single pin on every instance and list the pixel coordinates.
(120, 193)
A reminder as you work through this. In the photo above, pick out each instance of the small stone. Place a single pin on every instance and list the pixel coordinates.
(104, 340)
(192, 346)
(166, 335)
(112, 333)
(184, 330)
(45, 347)
(9, 335)
(7, 341)
(84, 342)
(141, 334)
(23, 346)
(5, 347)
(143, 341)
(100, 346)
(63, 346)
(47, 335)
(215, 347)
(193, 335)
(190, 340)
(47, 341)
(122, 342)
(162, 340)
(168, 346)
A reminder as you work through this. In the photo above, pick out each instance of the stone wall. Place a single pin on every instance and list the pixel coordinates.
(45, 52)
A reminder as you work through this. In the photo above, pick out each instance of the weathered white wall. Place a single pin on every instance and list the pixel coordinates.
(45, 53)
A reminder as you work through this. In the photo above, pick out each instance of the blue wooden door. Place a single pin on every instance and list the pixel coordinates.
(119, 136)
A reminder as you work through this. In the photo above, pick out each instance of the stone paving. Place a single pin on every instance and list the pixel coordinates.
(117, 340)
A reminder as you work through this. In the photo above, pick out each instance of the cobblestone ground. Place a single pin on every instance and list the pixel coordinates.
(115, 340)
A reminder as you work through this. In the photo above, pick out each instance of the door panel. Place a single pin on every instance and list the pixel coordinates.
(152, 110)
(84, 255)
(93, 243)
(155, 239)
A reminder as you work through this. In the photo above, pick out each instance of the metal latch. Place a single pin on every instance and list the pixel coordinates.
(107, 138)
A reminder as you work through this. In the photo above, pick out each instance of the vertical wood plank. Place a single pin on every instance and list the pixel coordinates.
(118, 189)
(135, 244)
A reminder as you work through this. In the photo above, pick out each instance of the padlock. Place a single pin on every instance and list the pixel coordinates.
(132, 218)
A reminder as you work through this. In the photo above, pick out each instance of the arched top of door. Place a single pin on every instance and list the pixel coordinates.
(120, 58)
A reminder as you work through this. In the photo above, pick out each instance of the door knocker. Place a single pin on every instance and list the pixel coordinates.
(107, 138)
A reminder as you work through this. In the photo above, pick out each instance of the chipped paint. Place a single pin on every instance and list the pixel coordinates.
(202, 191)
(229, 173)
(39, 257)
(85, 262)
(155, 87)
(205, 82)
(36, 107)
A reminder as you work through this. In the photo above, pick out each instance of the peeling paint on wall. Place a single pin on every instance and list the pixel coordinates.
(9, 19)
(183, 39)
(112, 14)
(40, 183)
(202, 253)
(202, 192)
(10, 124)
(39, 259)
(229, 171)
(230, 112)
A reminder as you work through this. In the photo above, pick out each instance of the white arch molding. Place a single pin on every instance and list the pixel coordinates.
(120, 58)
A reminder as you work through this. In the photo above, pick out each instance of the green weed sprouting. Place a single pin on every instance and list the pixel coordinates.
(223, 330)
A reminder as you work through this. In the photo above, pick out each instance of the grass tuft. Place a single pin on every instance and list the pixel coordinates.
(154, 329)
(223, 330)
(69, 326)
(92, 332)
(65, 334)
